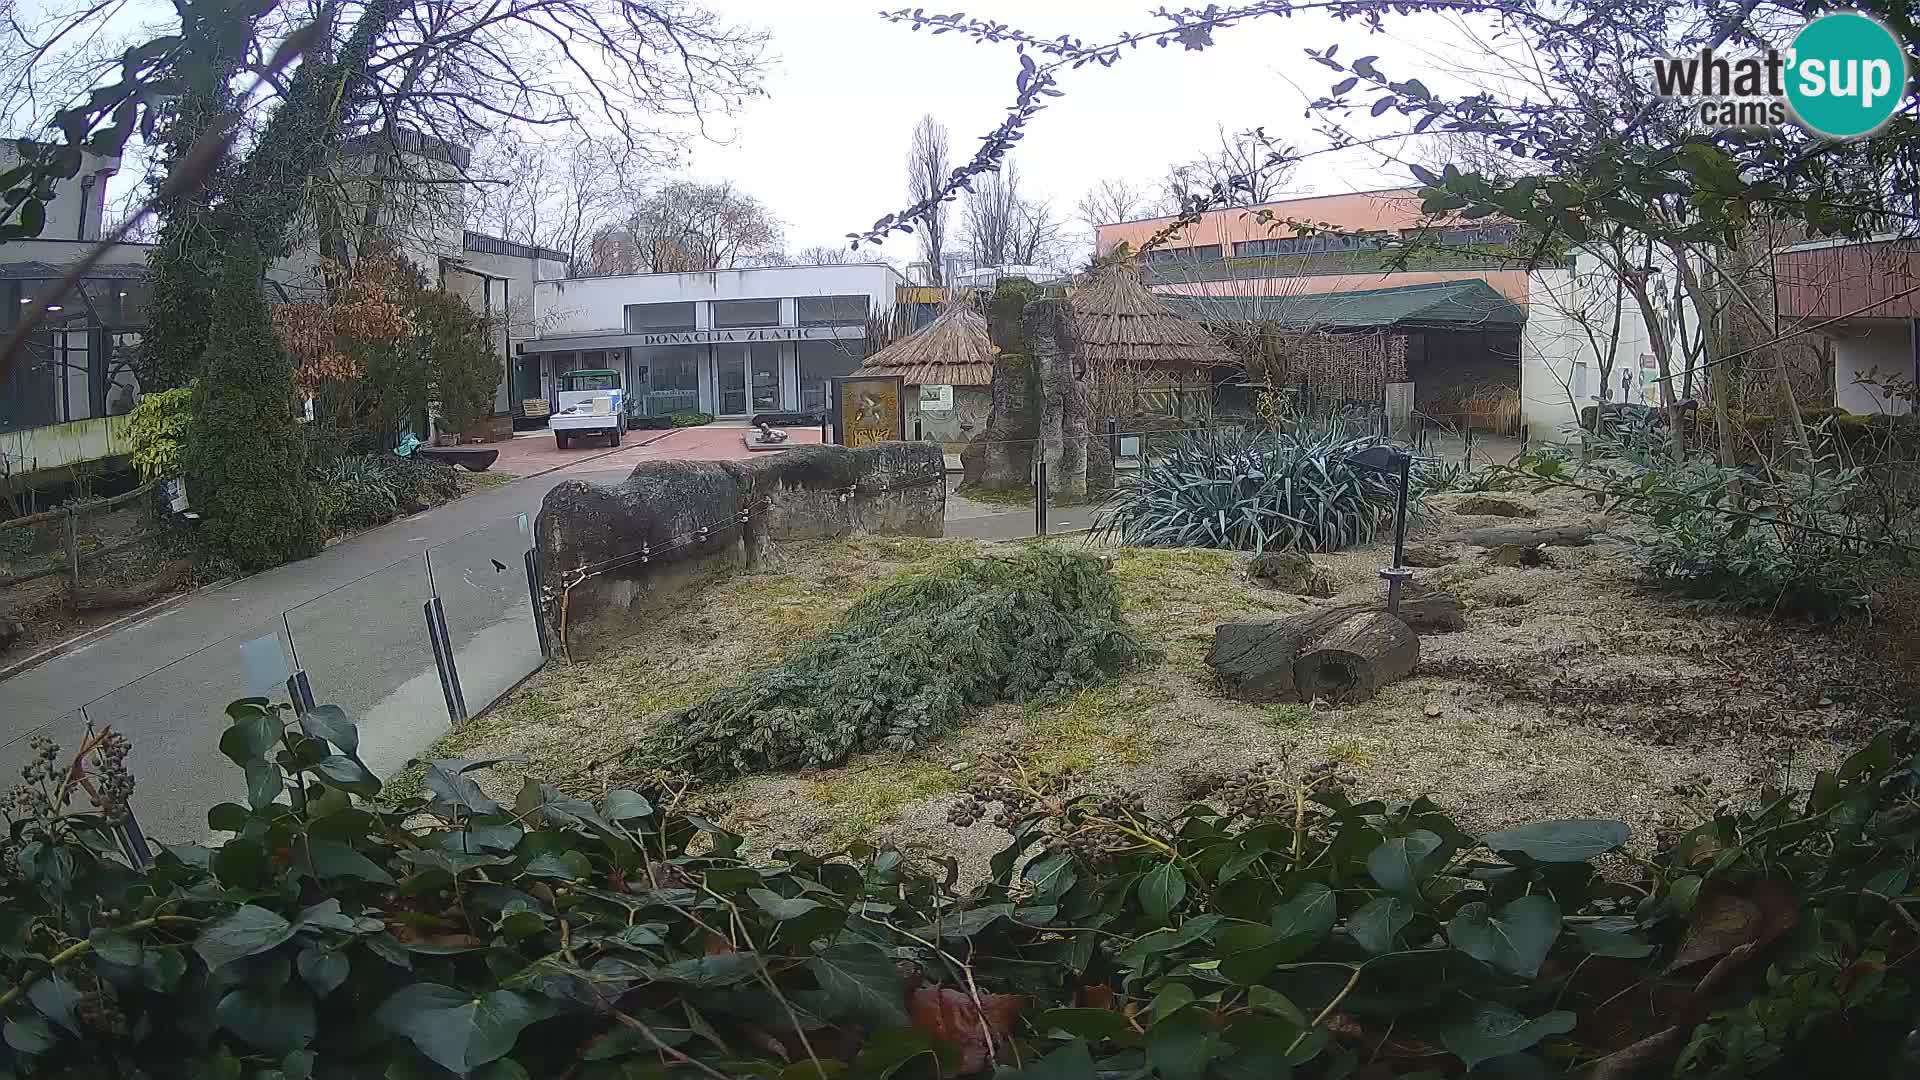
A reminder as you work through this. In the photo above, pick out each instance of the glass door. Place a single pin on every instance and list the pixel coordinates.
(730, 363)
(764, 365)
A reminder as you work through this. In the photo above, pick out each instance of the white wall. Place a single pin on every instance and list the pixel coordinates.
(78, 205)
(1555, 346)
(598, 304)
(1865, 347)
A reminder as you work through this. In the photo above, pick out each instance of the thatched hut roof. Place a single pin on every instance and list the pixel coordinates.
(1119, 323)
(952, 350)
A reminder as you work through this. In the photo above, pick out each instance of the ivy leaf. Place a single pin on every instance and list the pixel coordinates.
(334, 859)
(1515, 940)
(780, 907)
(324, 969)
(248, 930)
(858, 980)
(1400, 864)
(349, 774)
(1488, 1030)
(1308, 915)
(624, 805)
(117, 947)
(1162, 889)
(330, 722)
(29, 1034)
(1377, 922)
(1569, 840)
(1180, 1046)
(279, 1020)
(456, 1029)
(1070, 1062)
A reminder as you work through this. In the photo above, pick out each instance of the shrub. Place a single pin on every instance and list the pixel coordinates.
(1256, 490)
(245, 454)
(1285, 930)
(908, 662)
(359, 491)
(158, 427)
(692, 419)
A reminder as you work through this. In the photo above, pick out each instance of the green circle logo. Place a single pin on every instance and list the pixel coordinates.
(1847, 76)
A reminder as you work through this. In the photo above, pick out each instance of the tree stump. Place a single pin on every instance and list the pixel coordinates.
(1342, 654)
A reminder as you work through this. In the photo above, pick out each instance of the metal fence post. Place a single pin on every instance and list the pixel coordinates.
(300, 692)
(533, 595)
(1040, 491)
(443, 659)
(1113, 439)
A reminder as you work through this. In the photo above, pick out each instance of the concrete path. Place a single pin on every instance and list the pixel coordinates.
(352, 618)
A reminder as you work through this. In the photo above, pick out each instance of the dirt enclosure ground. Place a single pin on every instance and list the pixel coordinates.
(1572, 692)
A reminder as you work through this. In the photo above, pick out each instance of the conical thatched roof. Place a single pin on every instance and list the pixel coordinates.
(952, 350)
(1118, 322)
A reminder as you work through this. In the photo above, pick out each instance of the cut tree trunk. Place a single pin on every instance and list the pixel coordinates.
(1342, 654)
(1530, 535)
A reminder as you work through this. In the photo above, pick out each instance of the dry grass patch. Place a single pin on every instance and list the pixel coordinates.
(1591, 698)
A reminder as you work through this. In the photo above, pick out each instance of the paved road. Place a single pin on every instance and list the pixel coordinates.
(351, 616)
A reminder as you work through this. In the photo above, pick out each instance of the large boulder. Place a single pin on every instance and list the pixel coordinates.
(608, 553)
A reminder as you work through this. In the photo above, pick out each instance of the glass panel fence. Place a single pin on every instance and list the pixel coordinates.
(482, 581)
(174, 718)
(365, 648)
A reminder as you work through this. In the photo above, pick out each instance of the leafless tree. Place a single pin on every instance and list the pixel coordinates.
(687, 226)
(825, 255)
(1005, 228)
(1251, 166)
(926, 171)
(553, 193)
(1109, 201)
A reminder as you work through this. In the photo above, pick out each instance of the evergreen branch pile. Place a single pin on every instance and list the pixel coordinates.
(906, 664)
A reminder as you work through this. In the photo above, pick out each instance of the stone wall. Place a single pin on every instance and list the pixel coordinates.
(607, 554)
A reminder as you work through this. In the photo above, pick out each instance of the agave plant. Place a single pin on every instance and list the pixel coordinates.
(1257, 490)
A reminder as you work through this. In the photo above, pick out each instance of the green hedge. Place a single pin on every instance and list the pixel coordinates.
(1282, 929)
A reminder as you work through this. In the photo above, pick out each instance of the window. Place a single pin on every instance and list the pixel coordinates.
(729, 314)
(666, 380)
(1307, 245)
(833, 310)
(819, 362)
(1183, 254)
(1579, 382)
(659, 318)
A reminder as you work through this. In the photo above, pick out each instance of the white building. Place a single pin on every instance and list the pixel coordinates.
(730, 343)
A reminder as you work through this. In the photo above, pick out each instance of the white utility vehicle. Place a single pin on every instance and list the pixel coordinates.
(589, 404)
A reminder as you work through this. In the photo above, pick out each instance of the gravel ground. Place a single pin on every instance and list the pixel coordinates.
(1572, 692)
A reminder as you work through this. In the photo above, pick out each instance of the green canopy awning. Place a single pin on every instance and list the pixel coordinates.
(1458, 305)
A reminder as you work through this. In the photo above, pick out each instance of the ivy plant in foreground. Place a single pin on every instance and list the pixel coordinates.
(1281, 930)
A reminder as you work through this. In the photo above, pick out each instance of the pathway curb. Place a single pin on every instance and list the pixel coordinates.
(82, 640)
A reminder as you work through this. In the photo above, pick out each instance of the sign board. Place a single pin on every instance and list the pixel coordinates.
(770, 333)
(936, 399)
(1129, 446)
(868, 409)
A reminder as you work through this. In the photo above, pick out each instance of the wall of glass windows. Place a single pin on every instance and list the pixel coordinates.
(728, 358)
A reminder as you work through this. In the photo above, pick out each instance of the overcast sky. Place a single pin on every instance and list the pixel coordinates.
(826, 147)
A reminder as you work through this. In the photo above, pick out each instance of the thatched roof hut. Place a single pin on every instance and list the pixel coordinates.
(952, 350)
(1118, 323)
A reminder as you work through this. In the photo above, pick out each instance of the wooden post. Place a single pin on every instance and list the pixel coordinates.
(73, 549)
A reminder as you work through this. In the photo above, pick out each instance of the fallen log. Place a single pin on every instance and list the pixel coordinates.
(1531, 536)
(108, 597)
(1342, 654)
(1433, 613)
